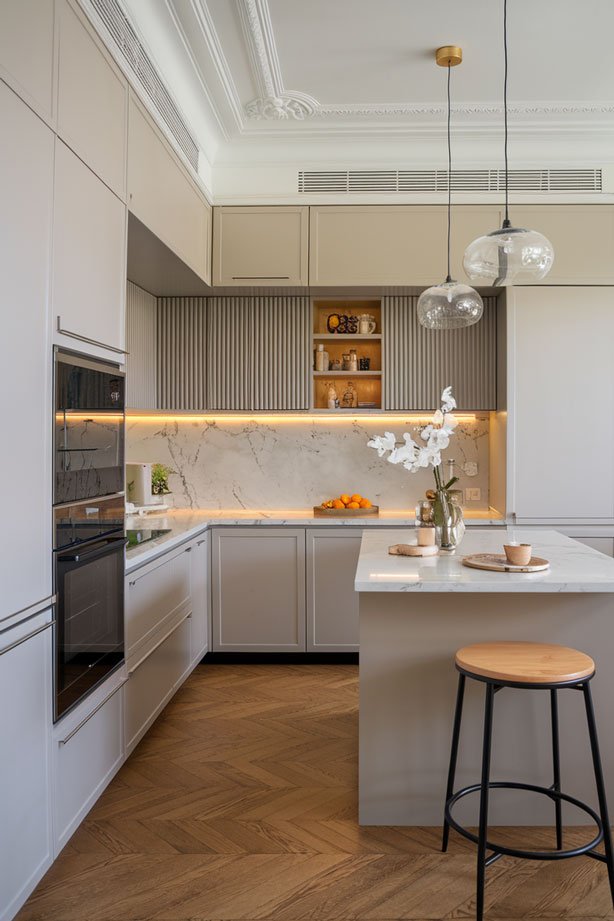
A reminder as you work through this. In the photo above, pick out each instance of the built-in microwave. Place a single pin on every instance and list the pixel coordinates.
(88, 428)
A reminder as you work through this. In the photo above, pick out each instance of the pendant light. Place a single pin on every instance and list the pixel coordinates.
(449, 305)
(510, 255)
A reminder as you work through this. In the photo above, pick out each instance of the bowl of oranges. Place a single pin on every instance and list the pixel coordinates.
(347, 505)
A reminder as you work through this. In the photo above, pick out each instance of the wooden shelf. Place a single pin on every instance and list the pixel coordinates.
(349, 374)
(356, 336)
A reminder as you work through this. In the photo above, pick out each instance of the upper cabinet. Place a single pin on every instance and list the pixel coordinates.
(89, 257)
(390, 244)
(26, 52)
(92, 100)
(163, 197)
(582, 237)
(260, 246)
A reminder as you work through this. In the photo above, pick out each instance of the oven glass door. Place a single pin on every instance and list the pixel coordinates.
(89, 429)
(90, 621)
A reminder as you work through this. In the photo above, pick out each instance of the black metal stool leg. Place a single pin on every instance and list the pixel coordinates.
(453, 755)
(483, 832)
(603, 805)
(556, 765)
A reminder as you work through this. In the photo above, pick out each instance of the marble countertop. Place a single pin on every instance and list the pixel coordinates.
(574, 567)
(184, 524)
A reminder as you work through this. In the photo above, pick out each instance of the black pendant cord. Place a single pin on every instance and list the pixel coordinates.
(448, 276)
(506, 222)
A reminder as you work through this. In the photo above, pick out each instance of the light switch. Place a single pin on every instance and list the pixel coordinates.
(473, 494)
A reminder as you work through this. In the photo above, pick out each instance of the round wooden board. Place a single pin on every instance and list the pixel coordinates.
(413, 550)
(319, 512)
(497, 562)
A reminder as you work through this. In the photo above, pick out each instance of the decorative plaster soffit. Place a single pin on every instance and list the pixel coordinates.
(276, 103)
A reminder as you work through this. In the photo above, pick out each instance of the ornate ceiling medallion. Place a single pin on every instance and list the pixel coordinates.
(286, 105)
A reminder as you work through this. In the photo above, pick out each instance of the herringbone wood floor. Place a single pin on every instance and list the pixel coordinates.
(240, 803)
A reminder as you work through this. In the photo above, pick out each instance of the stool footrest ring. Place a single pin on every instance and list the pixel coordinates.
(500, 849)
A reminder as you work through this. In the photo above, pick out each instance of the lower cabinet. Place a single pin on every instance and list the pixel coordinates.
(88, 750)
(26, 848)
(154, 678)
(602, 544)
(332, 603)
(201, 587)
(258, 589)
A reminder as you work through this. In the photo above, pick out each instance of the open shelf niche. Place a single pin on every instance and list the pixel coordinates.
(367, 384)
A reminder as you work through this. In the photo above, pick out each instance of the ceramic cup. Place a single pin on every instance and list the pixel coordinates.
(426, 537)
(518, 554)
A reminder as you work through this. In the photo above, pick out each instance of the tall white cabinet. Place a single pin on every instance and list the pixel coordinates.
(27, 59)
(561, 391)
(26, 196)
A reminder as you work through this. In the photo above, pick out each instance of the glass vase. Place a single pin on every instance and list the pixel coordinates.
(449, 523)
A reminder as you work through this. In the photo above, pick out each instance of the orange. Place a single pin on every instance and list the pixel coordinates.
(352, 505)
(356, 497)
(365, 503)
(345, 498)
(337, 503)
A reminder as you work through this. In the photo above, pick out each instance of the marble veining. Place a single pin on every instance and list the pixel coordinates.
(574, 567)
(264, 464)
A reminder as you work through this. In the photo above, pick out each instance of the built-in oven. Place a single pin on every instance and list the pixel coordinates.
(89, 556)
(89, 428)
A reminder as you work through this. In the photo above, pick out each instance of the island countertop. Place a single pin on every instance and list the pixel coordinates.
(574, 567)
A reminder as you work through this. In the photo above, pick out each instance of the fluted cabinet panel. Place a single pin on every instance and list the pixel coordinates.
(141, 339)
(282, 334)
(419, 362)
(230, 352)
(182, 353)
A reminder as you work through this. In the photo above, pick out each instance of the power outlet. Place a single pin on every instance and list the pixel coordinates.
(473, 494)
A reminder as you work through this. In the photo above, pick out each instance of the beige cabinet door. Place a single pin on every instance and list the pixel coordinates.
(582, 237)
(258, 589)
(27, 52)
(561, 392)
(163, 197)
(26, 196)
(332, 603)
(260, 245)
(92, 99)
(200, 573)
(89, 257)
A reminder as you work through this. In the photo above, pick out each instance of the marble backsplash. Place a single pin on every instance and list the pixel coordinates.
(294, 464)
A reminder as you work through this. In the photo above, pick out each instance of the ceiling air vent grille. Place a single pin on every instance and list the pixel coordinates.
(140, 64)
(486, 180)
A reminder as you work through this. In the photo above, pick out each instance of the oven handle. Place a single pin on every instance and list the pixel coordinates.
(73, 732)
(84, 556)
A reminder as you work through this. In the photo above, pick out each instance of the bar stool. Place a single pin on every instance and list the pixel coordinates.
(526, 665)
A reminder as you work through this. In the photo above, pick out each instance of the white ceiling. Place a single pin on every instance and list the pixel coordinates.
(350, 81)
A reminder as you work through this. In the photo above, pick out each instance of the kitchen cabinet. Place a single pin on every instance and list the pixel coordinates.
(154, 678)
(88, 750)
(26, 193)
(281, 363)
(26, 847)
(418, 360)
(258, 589)
(260, 245)
(602, 544)
(332, 603)
(229, 353)
(141, 345)
(561, 393)
(92, 99)
(391, 244)
(89, 258)
(158, 595)
(582, 237)
(163, 197)
(200, 583)
(27, 52)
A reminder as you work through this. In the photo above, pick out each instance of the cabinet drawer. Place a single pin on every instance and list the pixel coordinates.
(151, 681)
(155, 596)
(88, 750)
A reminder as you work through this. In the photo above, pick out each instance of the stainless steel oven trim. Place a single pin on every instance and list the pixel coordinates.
(90, 501)
(90, 364)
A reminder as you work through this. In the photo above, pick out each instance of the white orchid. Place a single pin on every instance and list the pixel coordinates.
(448, 403)
(383, 443)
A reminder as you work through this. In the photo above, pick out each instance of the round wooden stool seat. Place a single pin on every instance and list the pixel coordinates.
(533, 663)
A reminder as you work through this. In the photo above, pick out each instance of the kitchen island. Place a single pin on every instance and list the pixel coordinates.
(414, 614)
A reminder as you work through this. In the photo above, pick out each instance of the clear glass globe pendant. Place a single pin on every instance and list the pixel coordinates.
(450, 305)
(509, 256)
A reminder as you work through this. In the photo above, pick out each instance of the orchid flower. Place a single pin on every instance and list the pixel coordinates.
(448, 403)
(383, 443)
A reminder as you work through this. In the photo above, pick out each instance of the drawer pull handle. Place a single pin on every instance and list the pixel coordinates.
(28, 636)
(102, 345)
(80, 725)
(261, 277)
(200, 543)
(132, 670)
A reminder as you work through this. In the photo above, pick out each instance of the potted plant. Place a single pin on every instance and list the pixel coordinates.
(159, 481)
(448, 517)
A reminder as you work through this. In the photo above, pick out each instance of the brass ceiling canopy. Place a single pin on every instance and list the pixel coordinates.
(449, 55)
